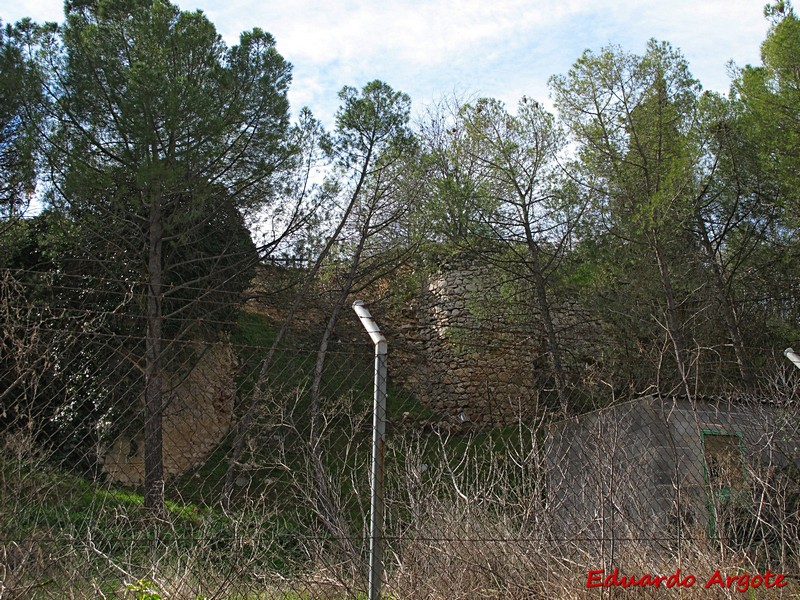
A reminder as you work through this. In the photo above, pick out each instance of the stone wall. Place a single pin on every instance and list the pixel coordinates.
(197, 415)
(464, 358)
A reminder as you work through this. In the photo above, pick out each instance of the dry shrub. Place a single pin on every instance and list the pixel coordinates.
(469, 517)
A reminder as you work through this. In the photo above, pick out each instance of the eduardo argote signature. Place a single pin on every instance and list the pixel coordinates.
(739, 583)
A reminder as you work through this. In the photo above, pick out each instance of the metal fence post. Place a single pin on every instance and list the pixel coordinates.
(792, 356)
(378, 441)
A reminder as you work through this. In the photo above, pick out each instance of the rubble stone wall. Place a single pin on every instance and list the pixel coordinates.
(465, 359)
(197, 415)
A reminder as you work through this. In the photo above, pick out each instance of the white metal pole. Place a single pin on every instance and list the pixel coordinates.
(792, 356)
(378, 442)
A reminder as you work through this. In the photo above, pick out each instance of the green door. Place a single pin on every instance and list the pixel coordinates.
(723, 473)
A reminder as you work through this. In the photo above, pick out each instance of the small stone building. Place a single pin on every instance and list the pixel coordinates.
(662, 468)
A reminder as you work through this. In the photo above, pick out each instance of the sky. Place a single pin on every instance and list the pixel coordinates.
(432, 49)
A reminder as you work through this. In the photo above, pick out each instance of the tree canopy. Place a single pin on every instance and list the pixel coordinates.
(644, 233)
(156, 138)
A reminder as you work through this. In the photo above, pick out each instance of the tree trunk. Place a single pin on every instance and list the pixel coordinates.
(553, 346)
(674, 327)
(330, 513)
(726, 305)
(246, 421)
(153, 402)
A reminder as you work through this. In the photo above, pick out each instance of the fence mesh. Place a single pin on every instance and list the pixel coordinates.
(266, 459)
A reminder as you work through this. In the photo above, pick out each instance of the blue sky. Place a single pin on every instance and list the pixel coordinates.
(498, 48)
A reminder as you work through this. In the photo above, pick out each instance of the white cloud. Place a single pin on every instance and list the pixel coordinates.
(40, 11)
(502, 48)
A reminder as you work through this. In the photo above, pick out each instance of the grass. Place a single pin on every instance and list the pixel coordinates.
(60, 532)
(348, 366)
(74, 537)
(96, 535)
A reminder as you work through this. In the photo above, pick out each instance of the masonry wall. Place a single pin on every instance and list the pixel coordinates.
(197, 415)
(464, 358)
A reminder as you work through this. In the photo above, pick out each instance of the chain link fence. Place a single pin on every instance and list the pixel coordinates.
(698, 495)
